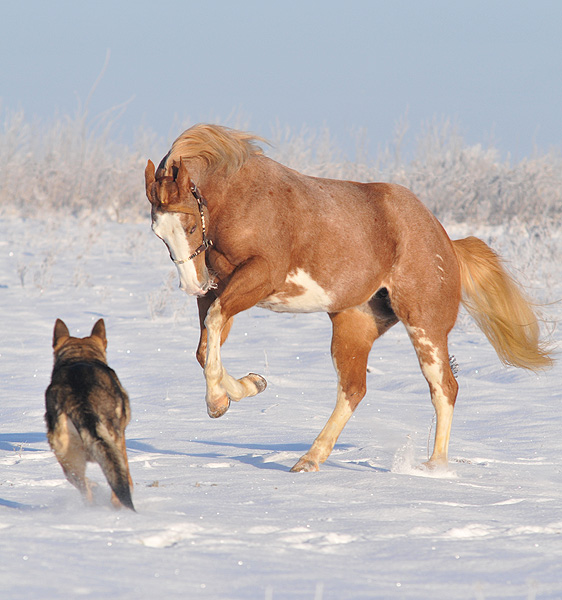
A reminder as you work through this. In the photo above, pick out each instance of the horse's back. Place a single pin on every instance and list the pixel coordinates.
(332, 244)
(395, 242)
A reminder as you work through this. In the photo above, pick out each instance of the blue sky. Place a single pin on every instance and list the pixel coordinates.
(494, 67)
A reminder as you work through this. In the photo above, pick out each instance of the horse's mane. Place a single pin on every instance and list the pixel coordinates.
(219, 146)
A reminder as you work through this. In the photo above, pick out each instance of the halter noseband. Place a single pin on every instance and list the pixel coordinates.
(206, 243)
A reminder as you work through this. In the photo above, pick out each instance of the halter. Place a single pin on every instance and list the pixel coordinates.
(206, 243)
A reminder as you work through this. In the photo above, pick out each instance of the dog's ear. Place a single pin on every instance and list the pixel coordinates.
(61, 331)
(99, 331)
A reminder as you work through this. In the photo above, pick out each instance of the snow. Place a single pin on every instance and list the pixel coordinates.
(219, 514)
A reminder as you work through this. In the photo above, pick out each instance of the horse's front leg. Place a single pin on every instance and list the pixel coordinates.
(248, 285)
(203, 304)
(221, 386)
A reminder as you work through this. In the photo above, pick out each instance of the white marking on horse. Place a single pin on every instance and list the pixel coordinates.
(422, 342)
(432, 368)
(302, 294)
(440, 267)
(167, 226)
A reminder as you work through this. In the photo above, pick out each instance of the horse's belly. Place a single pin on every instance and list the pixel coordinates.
(299, 294)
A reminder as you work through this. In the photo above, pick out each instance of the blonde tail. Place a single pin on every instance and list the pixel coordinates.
(493, 299)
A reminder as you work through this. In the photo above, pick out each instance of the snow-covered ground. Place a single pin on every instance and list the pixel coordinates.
(219, 514)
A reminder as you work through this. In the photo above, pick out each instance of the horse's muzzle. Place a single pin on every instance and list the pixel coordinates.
(198, 291)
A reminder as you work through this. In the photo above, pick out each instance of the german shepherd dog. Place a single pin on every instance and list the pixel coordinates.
(87, 411)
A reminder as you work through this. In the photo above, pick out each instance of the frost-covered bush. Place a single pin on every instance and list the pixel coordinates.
(74, 164)
(459, 183)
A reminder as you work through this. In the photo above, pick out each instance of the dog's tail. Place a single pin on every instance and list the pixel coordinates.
(113, 463)
(493, 298)
(105, 450)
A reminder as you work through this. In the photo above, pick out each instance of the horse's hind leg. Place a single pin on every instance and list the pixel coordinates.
(354, 332)
(432, 351)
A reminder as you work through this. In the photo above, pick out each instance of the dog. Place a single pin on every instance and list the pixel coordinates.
(87, 411)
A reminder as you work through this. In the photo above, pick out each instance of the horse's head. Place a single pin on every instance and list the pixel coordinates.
(178, 220)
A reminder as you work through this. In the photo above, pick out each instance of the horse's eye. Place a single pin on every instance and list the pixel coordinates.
(192, 230)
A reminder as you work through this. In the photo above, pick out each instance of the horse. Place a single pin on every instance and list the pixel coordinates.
(244, 230)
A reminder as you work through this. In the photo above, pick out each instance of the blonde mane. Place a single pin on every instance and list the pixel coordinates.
(219, 146)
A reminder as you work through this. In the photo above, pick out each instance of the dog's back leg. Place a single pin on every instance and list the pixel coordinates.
(71, 454)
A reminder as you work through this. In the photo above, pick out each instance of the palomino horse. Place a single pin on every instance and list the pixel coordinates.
(244, 230)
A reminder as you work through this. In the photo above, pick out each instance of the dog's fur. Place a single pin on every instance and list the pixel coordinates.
(87, 411)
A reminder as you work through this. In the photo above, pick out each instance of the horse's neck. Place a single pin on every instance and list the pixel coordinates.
(213, 184)
(197, 170)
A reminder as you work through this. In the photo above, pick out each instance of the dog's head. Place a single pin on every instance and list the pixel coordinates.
(92, 347)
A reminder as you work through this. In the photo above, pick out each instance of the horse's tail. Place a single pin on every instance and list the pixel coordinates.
(493, 298)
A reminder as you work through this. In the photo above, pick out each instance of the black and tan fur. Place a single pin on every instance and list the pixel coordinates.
(87, 411)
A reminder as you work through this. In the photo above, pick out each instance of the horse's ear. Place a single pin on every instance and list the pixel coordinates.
(149, 179)
(183, 181)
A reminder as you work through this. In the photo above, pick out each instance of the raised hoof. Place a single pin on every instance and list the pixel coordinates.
(305, 465)
(258, 381)
(220, 409)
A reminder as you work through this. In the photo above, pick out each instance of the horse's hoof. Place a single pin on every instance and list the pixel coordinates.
(258, 381)
(433, 465)
(305, 465)
(220, 409)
